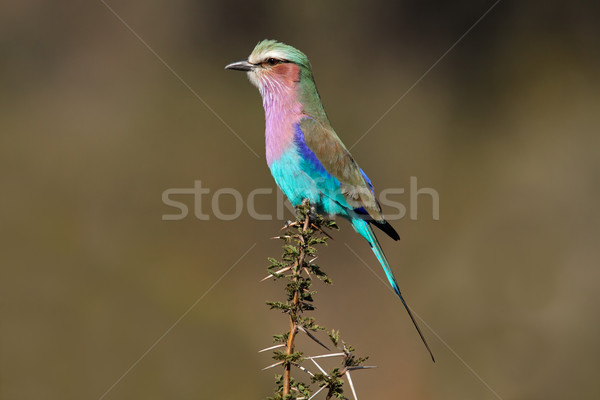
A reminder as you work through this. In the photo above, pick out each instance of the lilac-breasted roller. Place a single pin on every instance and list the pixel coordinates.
(305, 155)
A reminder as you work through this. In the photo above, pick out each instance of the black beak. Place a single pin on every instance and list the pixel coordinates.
(240, 66)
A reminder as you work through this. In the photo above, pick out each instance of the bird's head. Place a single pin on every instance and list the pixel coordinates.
(282, 73)
(272, 61)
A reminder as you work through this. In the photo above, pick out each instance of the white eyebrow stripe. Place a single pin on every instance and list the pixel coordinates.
(260, 57)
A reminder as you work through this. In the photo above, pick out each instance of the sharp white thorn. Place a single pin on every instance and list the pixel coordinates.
(317, 392)
(273, 274)
(304, 369)
(318, 366)
(326, 355)
(272, 347)
(351, 385)
(271, 366)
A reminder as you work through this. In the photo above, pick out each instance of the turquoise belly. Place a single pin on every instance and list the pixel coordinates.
(299, 179)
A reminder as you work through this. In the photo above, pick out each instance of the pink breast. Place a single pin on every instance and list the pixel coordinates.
(282, 113)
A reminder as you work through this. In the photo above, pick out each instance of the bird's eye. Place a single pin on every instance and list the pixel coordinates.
(273, 61)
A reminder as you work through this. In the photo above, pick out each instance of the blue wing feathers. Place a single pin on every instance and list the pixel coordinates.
(307, 155)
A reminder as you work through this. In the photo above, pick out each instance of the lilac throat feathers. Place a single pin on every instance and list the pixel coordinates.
(282, 112)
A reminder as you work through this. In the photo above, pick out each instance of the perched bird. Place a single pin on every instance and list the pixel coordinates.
(306, 157)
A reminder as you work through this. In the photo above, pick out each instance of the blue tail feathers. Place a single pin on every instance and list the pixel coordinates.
(364, 229)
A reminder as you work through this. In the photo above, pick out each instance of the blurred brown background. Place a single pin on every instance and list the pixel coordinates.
(94, 128)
